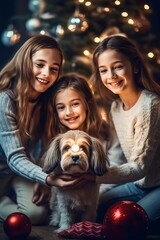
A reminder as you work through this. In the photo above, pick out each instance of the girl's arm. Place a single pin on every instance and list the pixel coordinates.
(11, 144)
(14, 152)
(143, 159)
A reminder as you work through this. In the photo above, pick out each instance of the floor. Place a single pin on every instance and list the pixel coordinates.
(37, 233)
(47, 233)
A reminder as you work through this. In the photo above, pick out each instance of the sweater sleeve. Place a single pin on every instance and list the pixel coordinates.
(11, 143)
(115, 153)
(142, 162)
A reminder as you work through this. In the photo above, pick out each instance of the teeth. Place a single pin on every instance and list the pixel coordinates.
(41, 80)
(71, 120)
(115, 83)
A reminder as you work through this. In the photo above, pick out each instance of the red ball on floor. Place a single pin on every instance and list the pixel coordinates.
(17, 226)
(125, 220)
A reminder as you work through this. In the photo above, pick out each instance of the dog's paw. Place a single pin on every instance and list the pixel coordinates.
(57, 230)
(60, 229)
(54, 222)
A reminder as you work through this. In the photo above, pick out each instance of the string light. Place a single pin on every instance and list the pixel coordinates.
(43, 32)
(146, 7)
(117, 2)
(106, 9)
(97, 40)
(88, 3)
(150, 55)
(79, 21)
(130, 21)
(86, 53)
(124, 14)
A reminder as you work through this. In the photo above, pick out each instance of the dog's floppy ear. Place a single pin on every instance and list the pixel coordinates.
(99, 160)
(52, 156)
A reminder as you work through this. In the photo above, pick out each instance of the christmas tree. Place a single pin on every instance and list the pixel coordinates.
(79, 25)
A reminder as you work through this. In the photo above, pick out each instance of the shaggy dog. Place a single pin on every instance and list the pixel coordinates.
(71, 153)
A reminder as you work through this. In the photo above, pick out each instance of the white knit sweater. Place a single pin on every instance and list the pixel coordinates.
(138, 130)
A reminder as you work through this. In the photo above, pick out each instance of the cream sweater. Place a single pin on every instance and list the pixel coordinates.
(138, 131)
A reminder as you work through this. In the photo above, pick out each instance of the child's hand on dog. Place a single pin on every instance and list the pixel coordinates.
(68, 180)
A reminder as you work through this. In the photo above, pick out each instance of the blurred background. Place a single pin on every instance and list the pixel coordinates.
(79, 25)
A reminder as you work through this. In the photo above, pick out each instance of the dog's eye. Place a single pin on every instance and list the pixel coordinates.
(83, 148)
(66, 148)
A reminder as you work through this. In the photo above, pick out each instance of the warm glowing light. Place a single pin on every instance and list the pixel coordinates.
(146, 7)
(15, 38)
(97, 40)
(43, 32)
(130, 21)
(103, 9)
(106, 9)
(150, 54)
(88, 3)
(60, 30)
(81, 1)
(103, 114)
(124, 14)
(86, 52)
(77, 22)
(117, 2)
(158, 61)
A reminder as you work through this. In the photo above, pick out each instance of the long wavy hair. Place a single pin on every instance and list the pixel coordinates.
(126, 47)
(16, 77)
(94, 124)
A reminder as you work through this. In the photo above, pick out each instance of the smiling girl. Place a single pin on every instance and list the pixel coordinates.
(121, 76)
(26, 85)
(76, 108)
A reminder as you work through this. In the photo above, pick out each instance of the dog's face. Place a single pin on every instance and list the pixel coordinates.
(75, 152)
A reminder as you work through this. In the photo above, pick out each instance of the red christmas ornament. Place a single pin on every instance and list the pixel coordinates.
(125, 220)
(17, 226)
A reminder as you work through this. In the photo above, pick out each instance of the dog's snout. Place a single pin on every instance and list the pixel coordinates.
(75, 158)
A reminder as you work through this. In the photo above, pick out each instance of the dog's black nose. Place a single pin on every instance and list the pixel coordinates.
(75, 158)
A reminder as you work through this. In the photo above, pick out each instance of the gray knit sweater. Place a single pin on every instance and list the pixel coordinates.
(138, 131)
(13, 157)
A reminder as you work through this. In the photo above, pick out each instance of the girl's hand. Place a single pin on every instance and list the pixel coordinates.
(41, 194)
(69, 181)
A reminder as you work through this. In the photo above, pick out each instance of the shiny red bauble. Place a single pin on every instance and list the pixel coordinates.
(125, 220)
(17, 226)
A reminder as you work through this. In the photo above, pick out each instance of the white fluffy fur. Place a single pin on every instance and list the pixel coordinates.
(77, 204)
